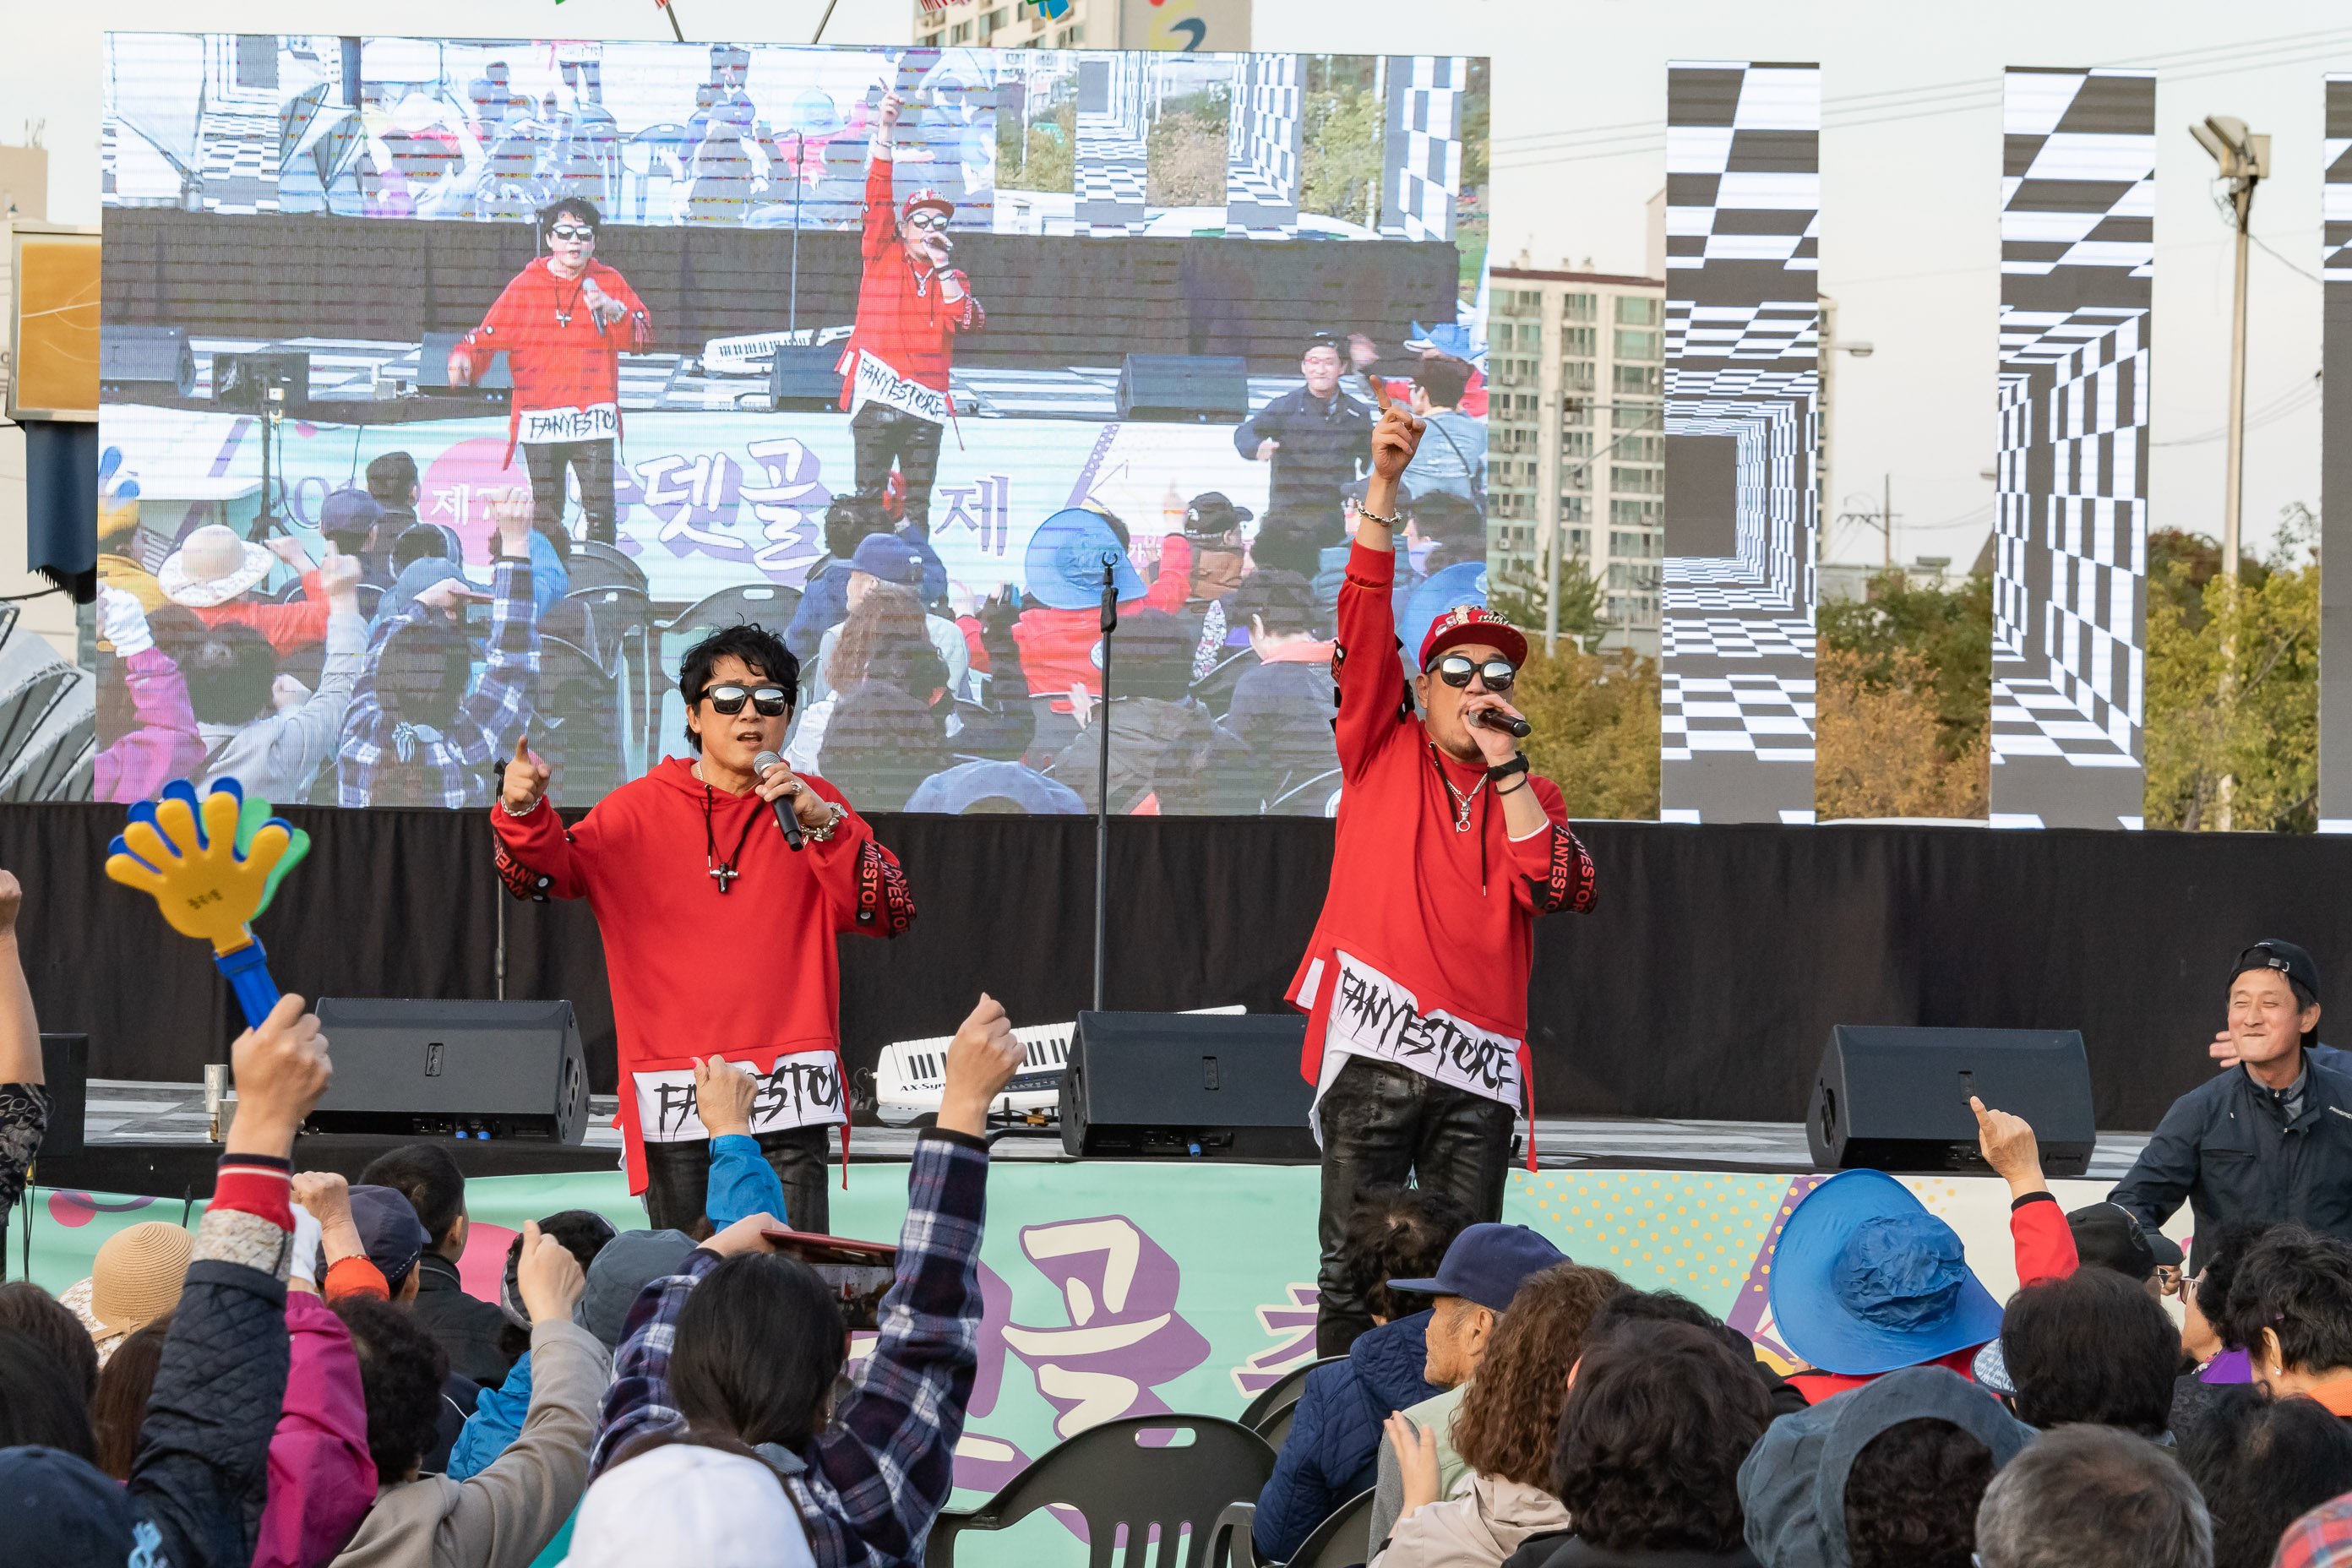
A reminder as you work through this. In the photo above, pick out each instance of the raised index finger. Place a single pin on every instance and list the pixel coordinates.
(1984, 1117)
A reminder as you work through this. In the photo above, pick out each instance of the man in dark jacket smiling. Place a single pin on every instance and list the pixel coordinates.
(2270, 1139)
(1317, 438)
(1333, 1449)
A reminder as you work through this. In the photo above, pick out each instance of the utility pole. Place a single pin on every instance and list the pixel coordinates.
(1886, 510)
(2242, 158)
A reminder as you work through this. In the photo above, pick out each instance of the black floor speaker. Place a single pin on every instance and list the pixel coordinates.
(1187, 388)
(65, 1069)
(1892, 1098)
(1187, 1086)
(453, 1070)
(146, 362)
(805, 380)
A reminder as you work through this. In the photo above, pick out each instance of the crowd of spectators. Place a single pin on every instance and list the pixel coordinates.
(306, 1379)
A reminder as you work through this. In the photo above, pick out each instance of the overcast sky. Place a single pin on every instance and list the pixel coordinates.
(1910, 167)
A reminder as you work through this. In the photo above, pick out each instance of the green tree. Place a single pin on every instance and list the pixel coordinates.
(1948, 632)
(1339, 169)
(1519, 597)
(1046, 158)
(1595, 716)
(2233, 685)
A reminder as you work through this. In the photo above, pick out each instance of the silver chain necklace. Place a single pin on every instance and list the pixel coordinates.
(1462, 803)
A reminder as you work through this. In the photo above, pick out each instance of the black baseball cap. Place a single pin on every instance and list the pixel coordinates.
(2109, 1235)
(1487, 1264)
(1210, 516)
(2284, 956)
(63, 1510)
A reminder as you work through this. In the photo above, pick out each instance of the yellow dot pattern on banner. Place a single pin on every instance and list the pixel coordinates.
(1695, 1232)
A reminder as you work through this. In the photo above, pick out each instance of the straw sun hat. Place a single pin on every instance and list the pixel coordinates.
(136, 1277)
(213, 567)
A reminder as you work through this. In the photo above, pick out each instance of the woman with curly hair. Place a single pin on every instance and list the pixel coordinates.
(1650, 1445)
(1504, 1432)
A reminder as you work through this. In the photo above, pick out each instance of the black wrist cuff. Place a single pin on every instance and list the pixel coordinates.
(1502, 770)
(2041, 1197)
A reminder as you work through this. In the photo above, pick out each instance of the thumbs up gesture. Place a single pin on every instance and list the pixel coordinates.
(525, 781)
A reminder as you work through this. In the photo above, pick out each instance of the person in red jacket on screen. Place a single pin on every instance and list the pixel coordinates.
(1415, 981)
(563, 323)
(911, 307)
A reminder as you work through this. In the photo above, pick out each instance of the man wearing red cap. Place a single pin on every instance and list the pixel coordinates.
(911, 307)
(1416, 983)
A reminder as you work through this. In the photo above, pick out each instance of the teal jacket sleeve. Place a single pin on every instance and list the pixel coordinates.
(742, 1183)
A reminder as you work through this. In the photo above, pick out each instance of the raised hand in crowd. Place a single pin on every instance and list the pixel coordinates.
(1417, 1467)
(2009, 1146)
(547, 1276)
(339, 578)
(512, 513)
(748, 1233)
(526, 779)
(281, 1070)
(886, 113)
(122, 621)
(286, 694)
(327, 1198)
(289, 550)
(1395, 439)
(981, 1059)
(723, 1093)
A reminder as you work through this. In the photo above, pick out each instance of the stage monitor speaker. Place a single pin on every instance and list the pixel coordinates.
(65, 1067)
(454, 1069)
(803, 380)
(433, 370)
(1187, 1086)
(1893, 1099)
(1203, 389)
(146, 362)
(240, 381)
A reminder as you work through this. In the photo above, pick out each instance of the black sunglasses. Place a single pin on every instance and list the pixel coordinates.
(770, 701)
(1455, 669)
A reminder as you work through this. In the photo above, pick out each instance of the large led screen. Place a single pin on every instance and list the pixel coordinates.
(884, 349)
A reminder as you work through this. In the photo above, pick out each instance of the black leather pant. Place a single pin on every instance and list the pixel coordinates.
(677, 1177)
(1381, 1123)
(593, 461)
(879, 433)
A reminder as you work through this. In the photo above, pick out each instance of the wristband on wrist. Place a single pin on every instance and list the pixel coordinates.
(1501, 770)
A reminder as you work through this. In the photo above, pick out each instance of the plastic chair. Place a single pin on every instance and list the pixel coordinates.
(1111, 1477)
(622, 618)
(596, 565)
(1279, 1399)
(764, 603)
(1342, 1541)
(581, 729)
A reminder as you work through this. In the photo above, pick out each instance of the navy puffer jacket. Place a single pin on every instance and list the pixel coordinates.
(1334, 1446)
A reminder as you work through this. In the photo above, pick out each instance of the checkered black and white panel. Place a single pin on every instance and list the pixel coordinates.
(2071, 516)
(1263, 154)
(2335, 465)
(1109, 177)
(1421, 172)
(1742, 323)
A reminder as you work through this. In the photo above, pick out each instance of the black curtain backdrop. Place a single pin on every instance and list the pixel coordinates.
(1051, 301)
(1703, 986)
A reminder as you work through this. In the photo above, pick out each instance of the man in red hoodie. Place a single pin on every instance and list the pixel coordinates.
(694, 885)
(911, 306)
(563, 323)
(1415, 982)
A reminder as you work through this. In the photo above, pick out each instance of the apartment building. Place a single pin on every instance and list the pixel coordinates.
(1576, 364)
(1017, 24)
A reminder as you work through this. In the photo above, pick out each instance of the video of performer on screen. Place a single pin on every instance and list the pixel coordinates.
(893, 351)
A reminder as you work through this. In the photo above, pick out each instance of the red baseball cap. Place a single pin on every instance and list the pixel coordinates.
(1473, 623)
(928, 199)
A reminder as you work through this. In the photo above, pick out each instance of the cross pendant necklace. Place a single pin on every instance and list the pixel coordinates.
(725, 874)
(722, 872)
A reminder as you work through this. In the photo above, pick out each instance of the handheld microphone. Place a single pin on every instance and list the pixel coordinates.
(786, 818)
(1492, 719)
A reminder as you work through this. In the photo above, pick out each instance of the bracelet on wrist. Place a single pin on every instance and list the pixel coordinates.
(526, 810)
(1369, 515)
(1501, 770)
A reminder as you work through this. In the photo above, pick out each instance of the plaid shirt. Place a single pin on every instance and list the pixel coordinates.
(877, 1477)
(451, 768)
(2320, 1539)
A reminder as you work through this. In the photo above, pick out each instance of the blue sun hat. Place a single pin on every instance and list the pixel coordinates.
(1464, 582)
(1865, 1280)
(1064, 564)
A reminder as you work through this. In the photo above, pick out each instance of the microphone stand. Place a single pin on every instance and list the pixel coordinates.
(1102, 781)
